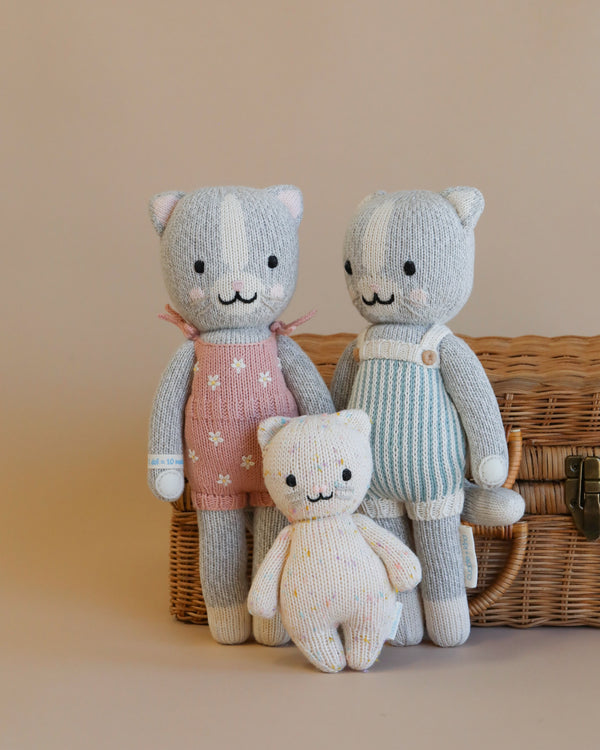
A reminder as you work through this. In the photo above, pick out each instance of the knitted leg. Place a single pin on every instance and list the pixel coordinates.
(268, 522)
(443, 585)
(391, 515)
(223, 562)
(363, 643)
(411, 627)
(323, 649)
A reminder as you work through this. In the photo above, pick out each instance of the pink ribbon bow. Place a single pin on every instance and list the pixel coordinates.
(191, 332)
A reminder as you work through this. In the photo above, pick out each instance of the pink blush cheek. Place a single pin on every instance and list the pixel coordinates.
(418, 296)
(196, 294)
(277, 291)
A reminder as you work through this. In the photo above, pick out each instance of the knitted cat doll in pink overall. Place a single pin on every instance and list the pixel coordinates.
(229, 258)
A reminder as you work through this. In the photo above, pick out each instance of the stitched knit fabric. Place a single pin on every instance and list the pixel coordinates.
(408, 262)
(234, 387)
(417, 438)
(229, 258)
(330, 567)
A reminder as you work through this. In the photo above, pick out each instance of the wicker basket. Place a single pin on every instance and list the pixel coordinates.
(541, 571)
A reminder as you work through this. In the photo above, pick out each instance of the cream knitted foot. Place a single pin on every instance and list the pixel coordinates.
(363, 646)
(230, 624)
(448, 622)
(324, 650)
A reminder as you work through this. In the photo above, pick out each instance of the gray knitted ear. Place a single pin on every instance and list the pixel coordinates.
(268, 428)
(291, 197)
(468, 202)
(367, 199)
(161, 208)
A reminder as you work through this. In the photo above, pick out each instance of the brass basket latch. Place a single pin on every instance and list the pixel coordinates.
(582, 493)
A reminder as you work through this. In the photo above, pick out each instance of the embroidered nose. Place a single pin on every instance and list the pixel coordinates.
(237, 286)
(375, 287)
(320, 489)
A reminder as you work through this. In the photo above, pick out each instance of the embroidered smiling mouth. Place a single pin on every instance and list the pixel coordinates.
(321, 497)
(376, 298)
(239, 297)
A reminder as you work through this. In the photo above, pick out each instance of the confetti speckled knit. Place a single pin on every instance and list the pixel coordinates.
(330, 567)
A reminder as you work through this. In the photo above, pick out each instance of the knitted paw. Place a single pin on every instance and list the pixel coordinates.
(491, 471)
(169, 484)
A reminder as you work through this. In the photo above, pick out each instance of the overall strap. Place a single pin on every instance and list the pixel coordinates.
(432, 338)
(425, 353)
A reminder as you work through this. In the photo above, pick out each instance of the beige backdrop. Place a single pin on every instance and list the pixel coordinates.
(106, 103)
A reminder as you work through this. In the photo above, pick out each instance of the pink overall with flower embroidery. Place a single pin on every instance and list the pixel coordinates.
(234, 387)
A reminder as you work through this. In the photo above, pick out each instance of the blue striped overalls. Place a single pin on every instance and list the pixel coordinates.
(419, 447)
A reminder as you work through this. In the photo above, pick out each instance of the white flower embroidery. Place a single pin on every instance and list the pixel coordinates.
(265, 378)
(196, 367)
(192, 455)
(224, 480)
(215, 437)
(213, 382)
(247, 462)
(238, 365)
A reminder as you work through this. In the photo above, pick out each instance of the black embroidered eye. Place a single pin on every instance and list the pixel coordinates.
(290, 480)
(346, 475)
(348, 267)
(199, 266)
(272, 262)
(409, 268)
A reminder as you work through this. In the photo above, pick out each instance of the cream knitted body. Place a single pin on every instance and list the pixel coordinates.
(333, 577)
(329, 568)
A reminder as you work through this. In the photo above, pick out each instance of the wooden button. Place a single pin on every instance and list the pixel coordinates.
(429, 357)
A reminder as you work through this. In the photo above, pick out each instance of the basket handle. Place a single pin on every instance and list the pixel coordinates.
(514, 438)
(518, 532)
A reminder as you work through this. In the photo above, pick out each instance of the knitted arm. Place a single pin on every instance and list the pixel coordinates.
(166, 422)
(264, 592)
(303, 379)
(343, 377)
(402, 565)
(470, 390)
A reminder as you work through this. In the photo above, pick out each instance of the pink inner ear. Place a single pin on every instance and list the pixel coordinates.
(292, 200)
(163, 205)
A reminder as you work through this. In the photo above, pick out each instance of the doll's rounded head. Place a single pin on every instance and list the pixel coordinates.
(229, 254)
(409, 256)
(319, 465)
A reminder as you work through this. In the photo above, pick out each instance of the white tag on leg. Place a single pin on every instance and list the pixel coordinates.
(467, 547)
(395, 622)
(165, 461)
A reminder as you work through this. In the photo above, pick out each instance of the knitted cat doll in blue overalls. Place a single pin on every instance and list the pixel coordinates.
(408, 259)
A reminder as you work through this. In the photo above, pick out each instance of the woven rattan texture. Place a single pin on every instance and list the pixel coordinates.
(559, 580)
(548, 387)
